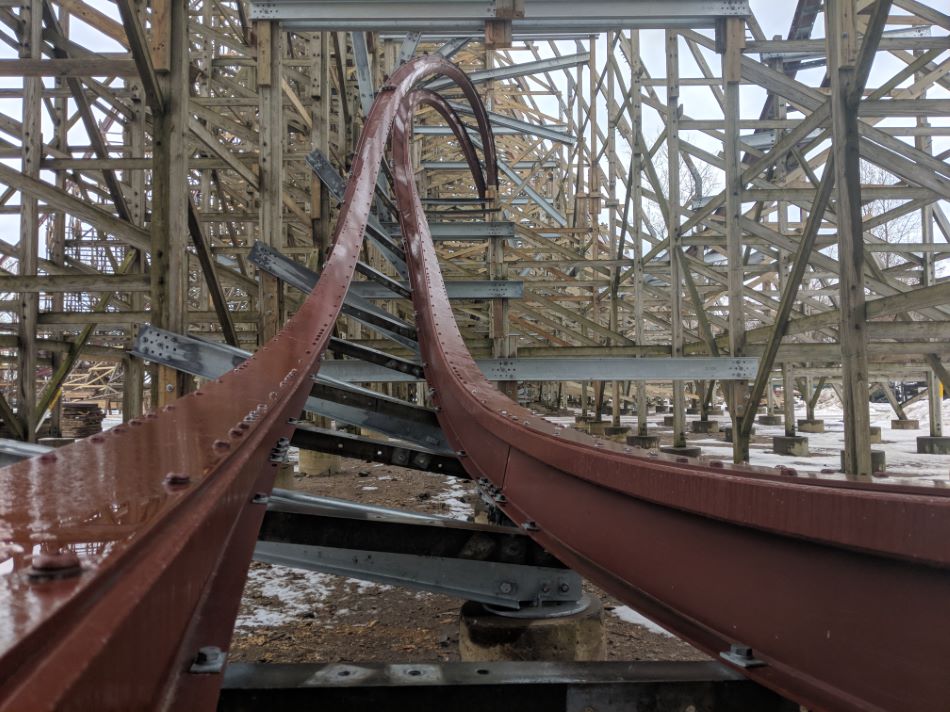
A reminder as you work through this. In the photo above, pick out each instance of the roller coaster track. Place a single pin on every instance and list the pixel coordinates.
(125, 553)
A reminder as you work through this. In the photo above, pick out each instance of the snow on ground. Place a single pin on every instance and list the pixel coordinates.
(291, 593)
(281, 594)
(904, 464)
(627, 614)
(453, 498)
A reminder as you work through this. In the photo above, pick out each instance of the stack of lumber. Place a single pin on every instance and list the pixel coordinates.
(81, 420)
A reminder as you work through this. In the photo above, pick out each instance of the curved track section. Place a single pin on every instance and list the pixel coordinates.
(839, 588)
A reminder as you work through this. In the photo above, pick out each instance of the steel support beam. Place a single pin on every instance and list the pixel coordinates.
(492, 564)
(328, 397)
(474, 687)
(387, 452)
(471, 15)
(568, 369)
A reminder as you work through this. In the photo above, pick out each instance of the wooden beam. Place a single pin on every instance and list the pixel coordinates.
(73, 67)
(96, 216)
(141, 55)
(205, 258)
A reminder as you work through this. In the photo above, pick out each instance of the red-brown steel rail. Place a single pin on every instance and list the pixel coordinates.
(125, 553)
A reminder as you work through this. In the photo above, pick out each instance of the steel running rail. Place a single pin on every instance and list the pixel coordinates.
(124, 553)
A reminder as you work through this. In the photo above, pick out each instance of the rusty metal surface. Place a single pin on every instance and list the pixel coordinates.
(160, 512)
(139, 538)
(806, 572)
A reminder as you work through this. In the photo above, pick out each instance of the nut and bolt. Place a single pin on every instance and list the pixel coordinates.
(740, 651)
(506, 587)
(210, 659)
(54, 565)
(177, 479)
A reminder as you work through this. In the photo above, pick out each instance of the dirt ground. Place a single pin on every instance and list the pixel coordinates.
(299, 616)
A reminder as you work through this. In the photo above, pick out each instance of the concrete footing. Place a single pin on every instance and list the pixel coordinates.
(648, 442)
(874, 433)
(487, 636)
(597, 427)
(318, 463)
(897, 424)
(687, 451)
(285, 476)
(704, 426)
(811, 426)
(662, 409)
(933, 445)
(790, 445)
(616, 430)
(878, 461)
(714, 410)
(668, 420)
(692, 411)
(769, 420)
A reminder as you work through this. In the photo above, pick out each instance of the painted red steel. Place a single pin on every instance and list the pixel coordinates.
(161, 510)
(839, 587)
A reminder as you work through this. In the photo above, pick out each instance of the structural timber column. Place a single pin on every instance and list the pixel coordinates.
(928, 277)
(672, 228)
(28, 253)
(612, 228)
(320, 97)
(271, 124)
(132, 392)
(170, 193)
(732, 75)
(842, 56)
(636, 207)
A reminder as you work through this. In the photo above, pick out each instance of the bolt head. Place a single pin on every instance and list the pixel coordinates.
(208, 654)
(742, 651)
(177, 479)
(59, 564)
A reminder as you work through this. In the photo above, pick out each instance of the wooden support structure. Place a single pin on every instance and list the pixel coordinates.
(651, 213)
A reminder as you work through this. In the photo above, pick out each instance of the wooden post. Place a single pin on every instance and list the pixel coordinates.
(636, 214)
(842, 55)
(673, 229)
(28, 252)
(170, 192)
(270, 95)
(731, 77)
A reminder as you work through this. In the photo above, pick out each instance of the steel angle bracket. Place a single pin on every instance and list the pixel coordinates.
(343, 402)
(300, 277)
(387, 452)
(375, 232)
(511, 586)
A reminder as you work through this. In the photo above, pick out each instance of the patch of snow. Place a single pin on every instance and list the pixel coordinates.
(627, 614)
(368, 586)
(291, 593)
(453, 499)
(904, 464)
(369, 489)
